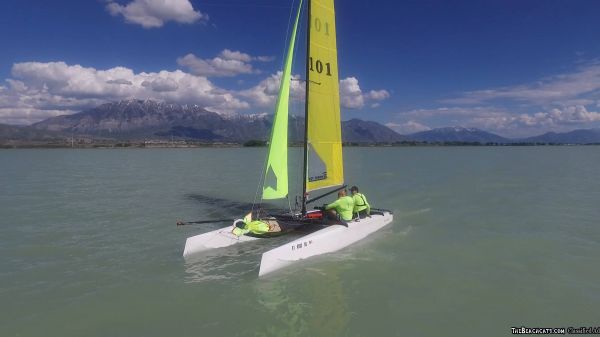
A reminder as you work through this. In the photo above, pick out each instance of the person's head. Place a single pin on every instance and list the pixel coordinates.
(353, 189)
(239, 224)
(342, 193)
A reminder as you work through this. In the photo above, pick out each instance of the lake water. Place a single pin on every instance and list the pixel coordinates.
(484, 239)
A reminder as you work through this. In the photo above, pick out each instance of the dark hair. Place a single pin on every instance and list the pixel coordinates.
(240, 224)
(353, 188)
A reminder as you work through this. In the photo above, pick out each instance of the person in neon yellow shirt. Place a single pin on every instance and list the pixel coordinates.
(255, 227)
(342, 207)
(362, 209)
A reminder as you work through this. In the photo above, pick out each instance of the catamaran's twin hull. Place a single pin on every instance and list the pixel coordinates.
(224, 237)
(216, 239)
(326, 240)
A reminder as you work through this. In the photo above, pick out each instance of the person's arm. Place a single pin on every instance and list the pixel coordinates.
(366, 203)
(332, 205)
(239, 232)
(356, 203)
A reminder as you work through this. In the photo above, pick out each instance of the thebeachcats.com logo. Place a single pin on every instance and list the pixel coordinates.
(589, 330)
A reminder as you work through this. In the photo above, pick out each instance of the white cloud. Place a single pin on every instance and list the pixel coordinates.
(228, 63)
(40, 90)
(407, 127)
(24, 116)
(265, 58)
(488, 118)
(582, 85)
(235, 55)
(154, 13)
(239, 56)
(569, 115)
(161, 85)
(528, 124)
(454, 112)
(352, 97)
(499, 120)
(555, 103)
(264, 94)
(378, 95)
(119, 81)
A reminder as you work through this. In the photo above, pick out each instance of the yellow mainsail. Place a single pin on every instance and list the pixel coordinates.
(324, 163)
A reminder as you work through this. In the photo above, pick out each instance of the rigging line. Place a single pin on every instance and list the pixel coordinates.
(294, 102)
(298, 102)
(264, 169)
(305, 148)
(289, 203)
(287, 37)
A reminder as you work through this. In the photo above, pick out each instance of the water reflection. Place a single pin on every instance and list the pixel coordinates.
(235, 262)
(304, 302)
(220, 204)
(223, 264)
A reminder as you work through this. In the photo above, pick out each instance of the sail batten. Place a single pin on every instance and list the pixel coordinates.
(276, 183)
(324, 139)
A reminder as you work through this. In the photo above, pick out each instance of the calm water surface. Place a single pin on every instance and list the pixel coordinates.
(483, 239)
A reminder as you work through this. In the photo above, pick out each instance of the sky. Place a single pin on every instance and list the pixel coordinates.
(516, 68)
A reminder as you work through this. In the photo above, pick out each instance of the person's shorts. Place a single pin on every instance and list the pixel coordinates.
(363, 214)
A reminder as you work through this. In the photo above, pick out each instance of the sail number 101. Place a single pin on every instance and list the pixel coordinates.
(319, 66)
(321, 27)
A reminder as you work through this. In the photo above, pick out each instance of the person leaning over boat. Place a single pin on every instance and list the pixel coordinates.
(342, 207)
(256, 227)
(362, 209)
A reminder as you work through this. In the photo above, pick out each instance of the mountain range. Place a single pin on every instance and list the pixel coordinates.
(458, 134)
(583, 136)
(139, 120)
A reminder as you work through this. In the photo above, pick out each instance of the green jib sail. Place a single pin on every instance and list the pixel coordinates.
(276, 175)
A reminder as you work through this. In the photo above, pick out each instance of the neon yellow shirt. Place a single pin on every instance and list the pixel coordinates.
(255, 227)
(343, 206)
(361, 203)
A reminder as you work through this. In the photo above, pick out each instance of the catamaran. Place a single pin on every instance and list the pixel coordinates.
(323, 163)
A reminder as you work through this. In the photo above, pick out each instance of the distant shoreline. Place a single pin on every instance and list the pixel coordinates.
(250, 144)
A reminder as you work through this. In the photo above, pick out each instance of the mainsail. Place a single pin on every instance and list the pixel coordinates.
(275, 184)
(324, 164)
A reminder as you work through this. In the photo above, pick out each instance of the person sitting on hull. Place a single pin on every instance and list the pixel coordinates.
(362, 209)
(256, 227)
(341, 209)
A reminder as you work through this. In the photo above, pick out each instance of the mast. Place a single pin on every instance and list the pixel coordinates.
(308, 24)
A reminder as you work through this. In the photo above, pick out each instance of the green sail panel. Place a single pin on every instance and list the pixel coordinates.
(276, 175)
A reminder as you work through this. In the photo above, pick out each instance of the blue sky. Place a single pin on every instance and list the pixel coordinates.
(516, 68)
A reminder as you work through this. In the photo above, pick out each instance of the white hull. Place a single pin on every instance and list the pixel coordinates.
(216, 239)
(326, 240)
